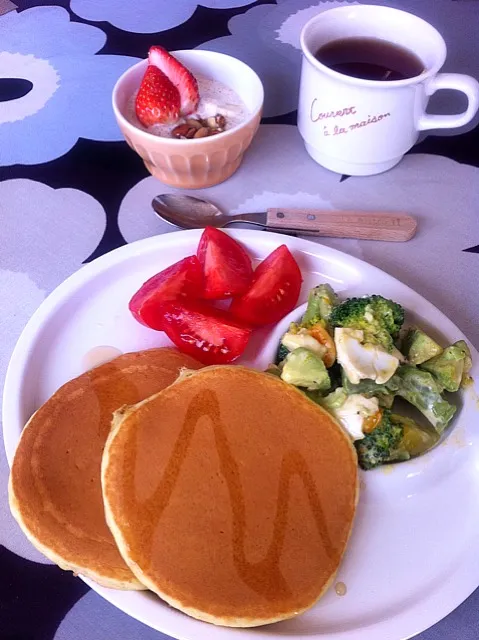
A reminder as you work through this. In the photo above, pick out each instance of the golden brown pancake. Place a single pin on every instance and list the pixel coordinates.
(230, 495)
(55, 487)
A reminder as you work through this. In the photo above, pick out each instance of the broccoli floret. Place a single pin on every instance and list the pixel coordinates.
(321, 301)
(377, 447)
(379, 318)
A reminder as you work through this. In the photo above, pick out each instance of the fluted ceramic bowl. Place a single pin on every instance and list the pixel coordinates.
(201, 162)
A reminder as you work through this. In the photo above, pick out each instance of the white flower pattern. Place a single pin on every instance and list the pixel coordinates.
(146, 16)
(64, 228)
(57, 56)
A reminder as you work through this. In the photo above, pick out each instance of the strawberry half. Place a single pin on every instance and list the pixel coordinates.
(158, 100)
(179, 75)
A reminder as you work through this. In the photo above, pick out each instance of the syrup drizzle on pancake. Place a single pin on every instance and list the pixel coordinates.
(265, 576)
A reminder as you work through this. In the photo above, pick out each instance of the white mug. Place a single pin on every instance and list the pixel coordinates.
(361, 127)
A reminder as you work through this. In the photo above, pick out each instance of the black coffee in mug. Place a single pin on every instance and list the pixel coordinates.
(370, 59)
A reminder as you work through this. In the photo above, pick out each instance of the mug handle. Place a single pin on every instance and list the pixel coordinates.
(459, 82)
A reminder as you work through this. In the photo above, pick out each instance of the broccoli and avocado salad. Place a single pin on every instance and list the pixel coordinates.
(348, 357)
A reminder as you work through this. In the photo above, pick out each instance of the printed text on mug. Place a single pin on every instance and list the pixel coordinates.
(339, 113)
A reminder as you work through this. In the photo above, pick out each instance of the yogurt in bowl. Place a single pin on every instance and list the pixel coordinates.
(220, 109)
(199, 162)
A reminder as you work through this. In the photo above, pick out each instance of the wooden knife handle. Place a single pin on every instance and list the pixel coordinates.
(392, 227)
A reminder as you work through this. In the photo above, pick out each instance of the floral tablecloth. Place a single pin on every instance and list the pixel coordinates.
(71, 190)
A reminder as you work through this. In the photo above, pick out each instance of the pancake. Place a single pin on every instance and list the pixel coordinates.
(231, 495)
(55, 487)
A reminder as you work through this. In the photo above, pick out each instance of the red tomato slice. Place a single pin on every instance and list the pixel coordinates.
(208, 334)
(184, 278)
(226, 265)
(274, 291)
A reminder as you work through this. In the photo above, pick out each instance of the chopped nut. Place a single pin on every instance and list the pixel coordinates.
(200, 127)
(220, 121)
(193, 122)
(180, 131)
(202, 133)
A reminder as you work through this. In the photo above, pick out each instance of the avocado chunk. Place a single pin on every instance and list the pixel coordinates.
(303, 368)
(419, 347)
(321, 301)
(415, 440)
(447, 367)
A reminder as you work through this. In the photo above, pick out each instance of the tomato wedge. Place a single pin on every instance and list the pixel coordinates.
(226, 265)
(208, 334)
(274, 291)
(184, 278)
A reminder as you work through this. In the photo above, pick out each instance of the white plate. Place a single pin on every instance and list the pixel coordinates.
(414, 552)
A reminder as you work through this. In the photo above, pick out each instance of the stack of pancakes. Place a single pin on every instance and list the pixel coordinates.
(228, 493)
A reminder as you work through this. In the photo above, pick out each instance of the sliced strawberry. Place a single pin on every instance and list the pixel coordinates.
(158, 100)
(179, 75)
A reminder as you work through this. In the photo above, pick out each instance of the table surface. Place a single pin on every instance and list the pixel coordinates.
(71, 190)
